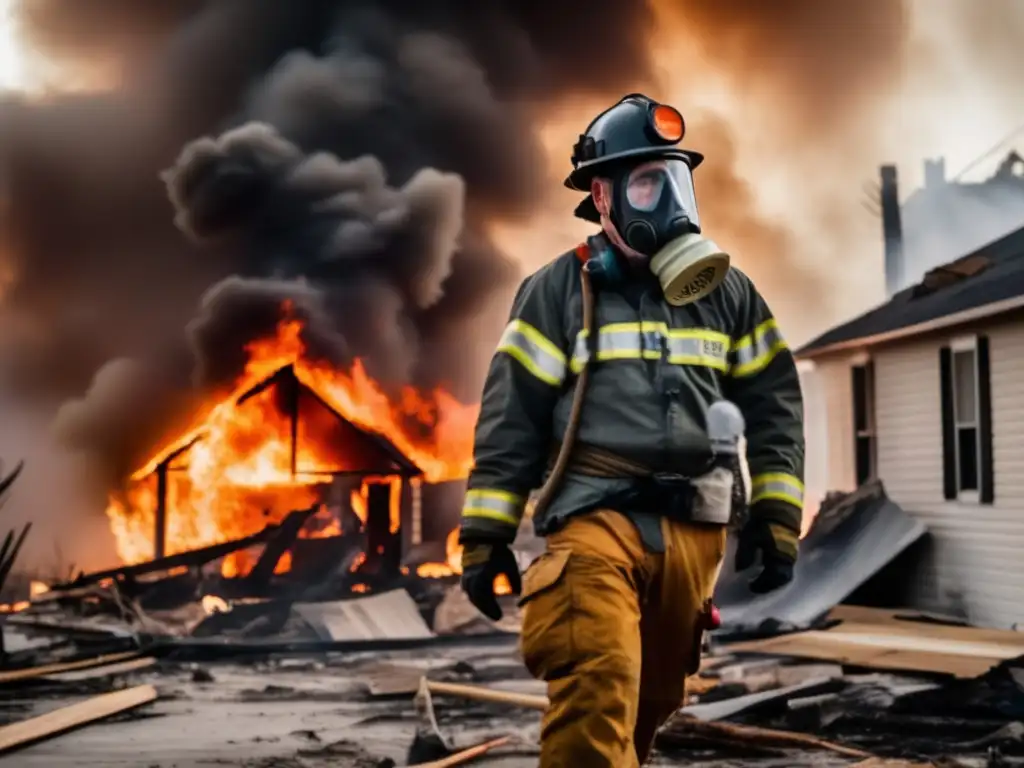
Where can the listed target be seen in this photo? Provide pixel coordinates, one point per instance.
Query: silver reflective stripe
(699, 348)
(752, 353)
(652, 341)
(501, 506)
(616, 343)
(777, 485)
(534, 352)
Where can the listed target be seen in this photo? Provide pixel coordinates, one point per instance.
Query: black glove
(777, 544)
(482, 563)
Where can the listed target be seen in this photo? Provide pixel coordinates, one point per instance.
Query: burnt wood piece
(281, 542)
(191, 559)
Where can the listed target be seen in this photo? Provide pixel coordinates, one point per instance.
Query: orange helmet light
(668, 123)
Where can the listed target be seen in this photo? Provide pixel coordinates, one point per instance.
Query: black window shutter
(987, 491)
(948, 426)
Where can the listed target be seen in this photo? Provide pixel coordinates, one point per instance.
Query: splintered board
(898, 645)
(21, 734)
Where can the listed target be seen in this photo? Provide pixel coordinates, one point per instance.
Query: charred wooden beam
(292, 391)
(160, 518)
(191, 559)
(281, 542)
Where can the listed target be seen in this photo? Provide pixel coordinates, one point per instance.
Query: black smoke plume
(345, 157)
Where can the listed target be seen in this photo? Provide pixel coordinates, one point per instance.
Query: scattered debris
(684, 731)
(852, 538)
(720, 710)
(331, 662)
(391, 615)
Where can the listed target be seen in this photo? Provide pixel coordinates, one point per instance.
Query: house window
(967, 420)
(864, 421)
(965, 415)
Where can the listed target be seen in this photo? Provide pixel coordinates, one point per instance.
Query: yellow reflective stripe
(491, 504)
(650, 340)
(755, 351)
(777, 485)
(535, 352)
(786, 540)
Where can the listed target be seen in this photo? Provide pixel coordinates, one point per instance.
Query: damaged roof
(360, 450)
(987, 282)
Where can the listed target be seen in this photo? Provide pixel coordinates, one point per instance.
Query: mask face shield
(663, 188)
(658, 217)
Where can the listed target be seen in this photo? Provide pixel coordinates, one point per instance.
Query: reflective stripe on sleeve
(535, 352)
(753, 352)
(491, 504)
(777, 485)
(653, 341)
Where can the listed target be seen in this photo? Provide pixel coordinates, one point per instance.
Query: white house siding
(976, 564)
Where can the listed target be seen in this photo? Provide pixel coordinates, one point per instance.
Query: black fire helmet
(636, 128)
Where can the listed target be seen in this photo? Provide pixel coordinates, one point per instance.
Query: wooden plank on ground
(21, 734)
(875, 653)
(107, 670)
(466, 755)
(867, 621)
(871, 637)
(15, 675)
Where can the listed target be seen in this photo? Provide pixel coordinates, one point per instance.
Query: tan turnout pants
(612, 629)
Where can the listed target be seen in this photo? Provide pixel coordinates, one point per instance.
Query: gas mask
(654, 209)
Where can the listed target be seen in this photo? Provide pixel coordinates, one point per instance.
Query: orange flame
(453, 566)
(38, 588)
(235, 474)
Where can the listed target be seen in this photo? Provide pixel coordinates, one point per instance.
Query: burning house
(293, 434)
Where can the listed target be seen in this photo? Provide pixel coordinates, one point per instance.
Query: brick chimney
(892, 230)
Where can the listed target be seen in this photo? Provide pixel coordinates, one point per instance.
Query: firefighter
(613, 612)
